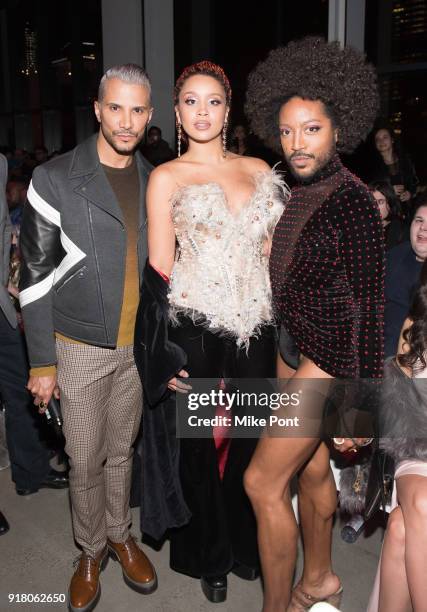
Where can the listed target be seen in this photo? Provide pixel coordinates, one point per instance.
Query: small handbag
(366, 487)
(380, 483)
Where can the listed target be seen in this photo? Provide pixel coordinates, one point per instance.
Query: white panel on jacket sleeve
(31, 294)
(73, 255)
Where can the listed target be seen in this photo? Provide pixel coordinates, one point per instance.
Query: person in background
(40, 155)
(239, 140)
(16, 195)
(5, 304)
(396, 229)
(157, 150)
(29, 456)
(392, 163)
(16, 161)
(401, 583)
(403, 266)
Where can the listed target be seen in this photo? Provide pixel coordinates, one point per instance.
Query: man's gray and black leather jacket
(73, 243)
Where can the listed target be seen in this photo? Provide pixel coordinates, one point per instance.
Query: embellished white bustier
(220, 275)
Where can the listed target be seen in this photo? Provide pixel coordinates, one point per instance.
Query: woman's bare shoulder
(167, 177)
(164, 171)
(162, 185)
(253, 164)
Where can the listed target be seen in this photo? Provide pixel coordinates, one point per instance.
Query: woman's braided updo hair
(205, 68)
(313, 69)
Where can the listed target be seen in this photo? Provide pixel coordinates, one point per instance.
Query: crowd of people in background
(26, 443)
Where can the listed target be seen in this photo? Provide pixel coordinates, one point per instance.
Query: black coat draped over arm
(158, 360)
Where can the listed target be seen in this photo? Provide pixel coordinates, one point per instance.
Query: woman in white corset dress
(211, 215)
(401, 581)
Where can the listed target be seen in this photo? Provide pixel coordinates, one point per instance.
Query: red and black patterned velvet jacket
(327, 273)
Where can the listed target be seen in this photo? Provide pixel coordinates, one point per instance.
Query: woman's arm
(161, 236)
(161, 232)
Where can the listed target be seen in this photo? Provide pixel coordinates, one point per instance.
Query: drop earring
(178, 127)
(224, 138)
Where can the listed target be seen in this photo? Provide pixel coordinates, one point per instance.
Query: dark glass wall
(396, 41)
(51, 65)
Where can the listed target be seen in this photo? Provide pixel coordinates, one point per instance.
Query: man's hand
(13, 290)
(42, 388)
(177, 385)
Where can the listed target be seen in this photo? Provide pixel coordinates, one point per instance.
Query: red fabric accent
(162, 274)
(221, 439)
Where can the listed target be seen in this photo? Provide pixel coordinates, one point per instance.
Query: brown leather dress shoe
(85, 589)
(138, 572)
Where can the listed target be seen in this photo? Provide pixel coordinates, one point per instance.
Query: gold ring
(42, 404)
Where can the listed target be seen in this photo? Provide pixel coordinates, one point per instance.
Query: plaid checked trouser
(101, 401)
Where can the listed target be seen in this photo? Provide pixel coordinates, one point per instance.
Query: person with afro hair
(313, 99)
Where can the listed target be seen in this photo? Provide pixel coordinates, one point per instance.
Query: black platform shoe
(4, 525)
(214, 588)
(245, 572)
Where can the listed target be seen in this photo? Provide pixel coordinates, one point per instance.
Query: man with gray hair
(83, 241)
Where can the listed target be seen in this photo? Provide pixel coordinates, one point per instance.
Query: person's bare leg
(317, 502)
(412, 496)
(394, 593)
(267, 479)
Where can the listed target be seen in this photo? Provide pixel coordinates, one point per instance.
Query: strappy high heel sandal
(303, 601)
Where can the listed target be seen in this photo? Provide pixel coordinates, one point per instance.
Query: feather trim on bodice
(220, 276)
